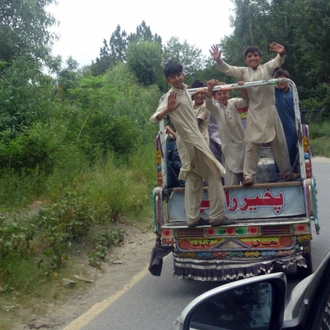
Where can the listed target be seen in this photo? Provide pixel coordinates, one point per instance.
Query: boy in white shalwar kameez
(202, 164)
(263, 123)
(230, 129)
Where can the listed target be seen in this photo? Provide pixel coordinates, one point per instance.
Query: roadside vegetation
(76, 148)
(320, 138)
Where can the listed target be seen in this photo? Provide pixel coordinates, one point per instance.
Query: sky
(84, 24)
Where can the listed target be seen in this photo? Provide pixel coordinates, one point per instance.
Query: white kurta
(185, 123)
(202, 113)
(201, 162)
(231, 131)
(260, 126)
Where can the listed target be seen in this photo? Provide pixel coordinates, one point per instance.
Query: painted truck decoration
(274, 219)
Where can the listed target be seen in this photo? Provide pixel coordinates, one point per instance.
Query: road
(155, 302)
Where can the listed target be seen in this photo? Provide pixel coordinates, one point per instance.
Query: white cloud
(84, 24)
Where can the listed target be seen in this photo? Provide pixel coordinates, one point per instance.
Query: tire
(303, 272)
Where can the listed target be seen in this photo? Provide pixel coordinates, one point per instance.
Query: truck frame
(273, 219)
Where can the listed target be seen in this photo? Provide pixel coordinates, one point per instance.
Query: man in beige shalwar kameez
(202, 164)
(202, 116)
(263, 124)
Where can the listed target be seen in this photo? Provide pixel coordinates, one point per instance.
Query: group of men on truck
(241, 148)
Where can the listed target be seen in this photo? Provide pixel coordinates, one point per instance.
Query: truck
(274, 218)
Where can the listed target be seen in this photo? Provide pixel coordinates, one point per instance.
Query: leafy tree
(26, 96)
(189, 56)
(68, 77)
(114, 51)
(92, 93)
(24, 29)
(302, 26)
(133, 100)
(251, 24)
(144, 60)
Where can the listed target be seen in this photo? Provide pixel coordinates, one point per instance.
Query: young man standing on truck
(202, 164)
(230, 129)
(263, 123)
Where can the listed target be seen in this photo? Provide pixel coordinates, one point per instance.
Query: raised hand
(211, 83)
(277, 48)
(171, 102)
(216, 53)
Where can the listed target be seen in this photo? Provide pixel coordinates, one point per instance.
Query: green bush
(102, 242)
(317, 130)
(321, 147)
(320, 138)
(15, 239)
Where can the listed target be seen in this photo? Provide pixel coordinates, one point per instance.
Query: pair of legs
(231, 178)
(194, 191)
(252, 155)
(279, 150)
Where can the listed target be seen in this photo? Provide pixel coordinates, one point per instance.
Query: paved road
(155, 302)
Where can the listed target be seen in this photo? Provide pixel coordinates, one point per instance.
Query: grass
(45, 221)
(320, 138)
(29, 292)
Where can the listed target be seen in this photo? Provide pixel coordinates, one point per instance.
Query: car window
(245, 308)
(323, 322)
(325, 318)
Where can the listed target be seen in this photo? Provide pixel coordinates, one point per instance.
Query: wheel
(303, 272)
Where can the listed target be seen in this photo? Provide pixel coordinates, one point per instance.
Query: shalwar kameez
(263, 123)
(203, 114)
(232, 136)
(202, 163)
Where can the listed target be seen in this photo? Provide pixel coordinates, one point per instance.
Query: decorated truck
(274, 219)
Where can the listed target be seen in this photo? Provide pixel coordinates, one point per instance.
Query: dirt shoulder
(123, 263)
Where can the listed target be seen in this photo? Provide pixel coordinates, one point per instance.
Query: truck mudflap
(158, 253)
(231, 269)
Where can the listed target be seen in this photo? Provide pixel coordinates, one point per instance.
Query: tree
(26, 96)
(68, 77)
(112, 53)
(103, 62)
(189, 56)
(143, 32)
(115, 51)
(24, 29)
(144, 58)
(302, 26)
(92, 93)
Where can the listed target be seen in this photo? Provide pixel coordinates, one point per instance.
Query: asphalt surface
(155, 302)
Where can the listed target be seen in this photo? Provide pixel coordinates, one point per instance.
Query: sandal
(248, 181)
(292, 176)
(200, 222)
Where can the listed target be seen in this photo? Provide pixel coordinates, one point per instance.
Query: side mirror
(254, 303)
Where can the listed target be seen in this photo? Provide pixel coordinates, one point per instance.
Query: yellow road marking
(95, 310)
